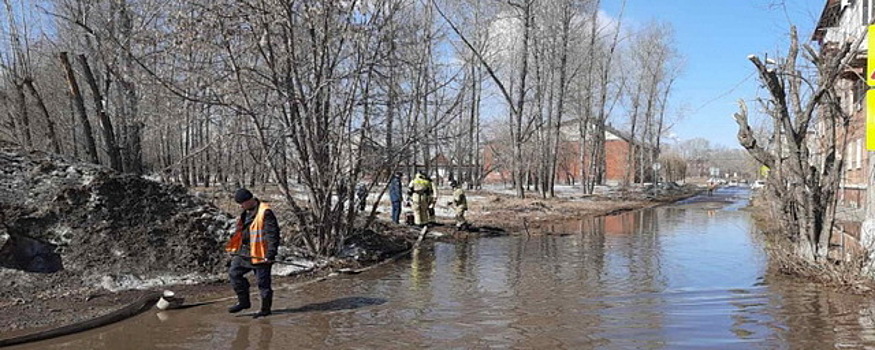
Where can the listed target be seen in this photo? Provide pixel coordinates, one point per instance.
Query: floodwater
(689, 275)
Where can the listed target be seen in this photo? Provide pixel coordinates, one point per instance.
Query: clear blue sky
(715, 37)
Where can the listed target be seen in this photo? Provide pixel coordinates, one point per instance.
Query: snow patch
(115, 283)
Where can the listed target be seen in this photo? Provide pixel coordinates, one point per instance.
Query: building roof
(440, 159)
(610, 131)
(829, 17)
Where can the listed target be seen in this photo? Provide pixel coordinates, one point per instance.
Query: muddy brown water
(689, 275)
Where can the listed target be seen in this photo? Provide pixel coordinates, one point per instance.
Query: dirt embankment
(74, 231)
(76, 238)
(521, 215)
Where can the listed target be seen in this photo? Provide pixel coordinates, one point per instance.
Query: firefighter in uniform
(420, 190)
(460, 204)
(253, 248)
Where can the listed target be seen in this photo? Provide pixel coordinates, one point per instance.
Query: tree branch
(748, 140)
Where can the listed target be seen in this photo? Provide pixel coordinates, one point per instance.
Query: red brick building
(617, 166)
(497, 164)
(839, 22)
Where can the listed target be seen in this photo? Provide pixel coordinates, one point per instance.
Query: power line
(724, 94)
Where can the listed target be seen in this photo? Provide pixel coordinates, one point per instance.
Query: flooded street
(689, 275)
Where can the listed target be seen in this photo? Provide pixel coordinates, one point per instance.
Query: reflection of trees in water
(747, 318)
(563, 279)
(464, 263)
(461, 249)
(808, 316)
(640, 261)
(620, 255)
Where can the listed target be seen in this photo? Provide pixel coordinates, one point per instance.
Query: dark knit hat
(242, 195)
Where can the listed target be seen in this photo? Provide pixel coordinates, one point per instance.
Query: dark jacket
(271, 231)
(395, 189)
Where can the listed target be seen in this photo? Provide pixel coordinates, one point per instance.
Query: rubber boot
(265, 307)
(242, 303)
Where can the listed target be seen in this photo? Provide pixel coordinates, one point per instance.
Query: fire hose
(142, 304)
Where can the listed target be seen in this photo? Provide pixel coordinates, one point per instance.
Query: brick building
(617, 147)
(844, 21)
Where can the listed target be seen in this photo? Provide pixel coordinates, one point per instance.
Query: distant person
(395, 196)
(711, 187)
(432, 200)
(253, 247)
(460, 204)
(361, 194)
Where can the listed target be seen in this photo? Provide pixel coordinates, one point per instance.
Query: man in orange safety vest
(253, 248)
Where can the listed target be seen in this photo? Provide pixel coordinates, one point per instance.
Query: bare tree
(595, 100)
(519, 128)
(312, 84)
(802, 190)
(16, 72)
(106, 124)
(655, 57)
(81, 113)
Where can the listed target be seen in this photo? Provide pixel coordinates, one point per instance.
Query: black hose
(142, 304)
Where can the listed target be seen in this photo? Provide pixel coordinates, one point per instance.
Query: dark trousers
(396, 211)
(237, 271)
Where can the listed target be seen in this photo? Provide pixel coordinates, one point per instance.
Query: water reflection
(674, 277)
(421, 268)
(262, 338)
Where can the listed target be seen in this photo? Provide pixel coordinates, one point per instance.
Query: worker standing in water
(253, 246)
(460, 204)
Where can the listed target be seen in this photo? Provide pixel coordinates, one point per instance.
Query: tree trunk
(50, 125)
(79, 103)
(112, 149)
(517, 125)
(23, 116)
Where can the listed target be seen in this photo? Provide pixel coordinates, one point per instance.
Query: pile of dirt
(369, 246)
(68, 226)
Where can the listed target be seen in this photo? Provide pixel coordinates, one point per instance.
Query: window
(859, 153)
(846, 3)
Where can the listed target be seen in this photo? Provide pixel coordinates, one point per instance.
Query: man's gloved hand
(449, 203)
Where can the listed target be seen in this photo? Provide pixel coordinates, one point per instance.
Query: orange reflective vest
(257, 243)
